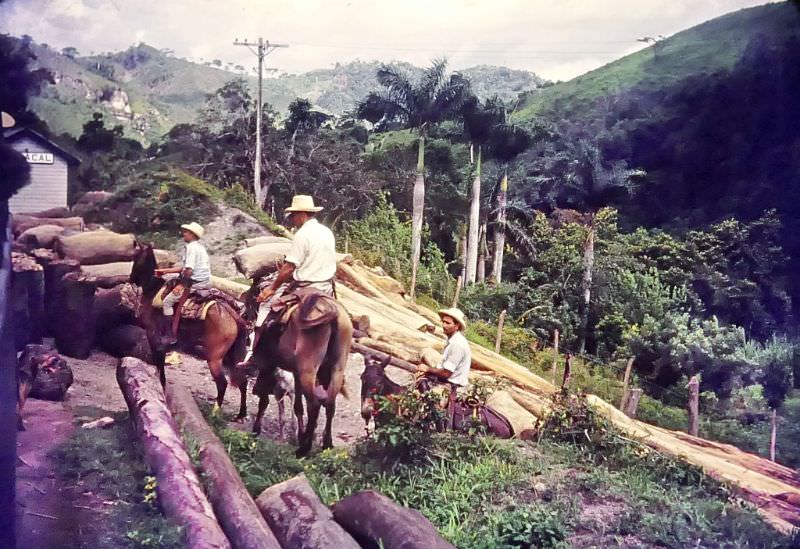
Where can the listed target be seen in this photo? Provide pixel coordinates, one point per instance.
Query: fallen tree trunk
(22, 223)
(54, 290)
(380, 355)
(258, 240)
(43, 236)
(127, 340)
(27, 300)
(299, 519)
(58, 212)
(391, 349)
(74, 324)
(180, 494)
(376, 521)
(235, 509)
(95, 247)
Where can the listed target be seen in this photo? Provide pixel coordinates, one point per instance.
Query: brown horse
(221, 335)
(317, 357)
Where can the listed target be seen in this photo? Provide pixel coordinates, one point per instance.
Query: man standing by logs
(195, 273)
(311, 262)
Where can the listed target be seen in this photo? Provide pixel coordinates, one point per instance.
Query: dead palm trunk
(474, 224)
(586, 284)
(417, 207)
(500, 230)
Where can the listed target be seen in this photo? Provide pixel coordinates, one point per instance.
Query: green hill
(149, 90)
(715, 45)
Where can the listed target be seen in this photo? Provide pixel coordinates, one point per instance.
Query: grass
(108, 464)
(483, 492)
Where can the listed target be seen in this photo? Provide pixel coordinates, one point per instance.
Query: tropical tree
(416, 106)
(479, 121)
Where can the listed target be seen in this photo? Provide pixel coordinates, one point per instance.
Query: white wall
(48, 186)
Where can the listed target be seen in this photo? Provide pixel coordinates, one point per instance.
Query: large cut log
(110, 311)
(180, 494)
(59, 212)
(399, 351)
(115, 269)
(235, 509)
(233, 289)
(261, 259)
(522, 421)
(255, 241)
(74, 325)
(376, 521)
(22, 223)
(299, 519)
(165, 258)
(27, 300)
(54, 289)
(127, 340)
(94, 247)
(43, 236)
(368, 352)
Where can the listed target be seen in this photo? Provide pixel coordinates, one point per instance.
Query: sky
(557, 39)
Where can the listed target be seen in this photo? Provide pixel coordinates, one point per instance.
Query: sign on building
(38, 157)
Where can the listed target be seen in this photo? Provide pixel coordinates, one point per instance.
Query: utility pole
(263, 48)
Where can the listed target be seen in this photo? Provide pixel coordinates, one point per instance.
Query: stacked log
(95, 247)
(54, 290)
(127, 340)
(74, 322)
(58, 212)
(27, 300)
(180, 493)
(22, 223)
(376, 521)
(235, 509)
(43, 236)
(250, 242)
(299, 519)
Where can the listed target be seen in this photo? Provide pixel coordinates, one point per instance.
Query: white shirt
(196, 258)
(457, 358)
(313, 254)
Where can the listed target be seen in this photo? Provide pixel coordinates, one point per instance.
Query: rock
(51, 374)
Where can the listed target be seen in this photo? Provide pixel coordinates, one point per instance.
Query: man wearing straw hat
(457, 356)
(311, 262)
(195, 273)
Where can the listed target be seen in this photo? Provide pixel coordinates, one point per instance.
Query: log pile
(95, 247)
(27, 300)
(180, 493)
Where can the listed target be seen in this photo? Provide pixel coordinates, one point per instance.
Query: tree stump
(74, 326)
(110, 311)
(180, 494)
(299, 519)
(54, 289)
(236, 510)
(27, 300)
(376, 521)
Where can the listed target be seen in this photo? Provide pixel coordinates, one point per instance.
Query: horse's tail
(236, 351)
(337, 348)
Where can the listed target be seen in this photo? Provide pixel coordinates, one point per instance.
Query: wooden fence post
(773, 434)
(499, 338)
(458, 291)
(633, 402)
(567, 372)
(694, 404)
(625, 382)
(555, 354)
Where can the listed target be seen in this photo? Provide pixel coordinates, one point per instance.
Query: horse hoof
(239, 419)
(302, 452)
(256, 431)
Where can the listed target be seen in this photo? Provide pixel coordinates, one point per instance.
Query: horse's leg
(218, 375)
(159, 357)
(239, 379)
(327, 437)
(263, 402)
(281, 410)
(311, 426)
(298, 408)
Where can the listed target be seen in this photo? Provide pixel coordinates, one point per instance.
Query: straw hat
(194, 228)
(456, 315)
(7, 120)
(302, 203)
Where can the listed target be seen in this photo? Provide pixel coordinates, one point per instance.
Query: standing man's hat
(302, 203)
(194, 228)
(456, 315)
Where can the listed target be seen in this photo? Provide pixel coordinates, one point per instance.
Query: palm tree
(415, 106)
(479, 123)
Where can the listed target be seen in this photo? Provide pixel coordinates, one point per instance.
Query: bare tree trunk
(417, 207)
(474, 224)
(500, 231)
(463, 245)
(498, 340)
(483, 252)
(586, 285)
(694, 405)
(773, 434)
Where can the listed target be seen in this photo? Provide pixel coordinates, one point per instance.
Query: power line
(263, 48)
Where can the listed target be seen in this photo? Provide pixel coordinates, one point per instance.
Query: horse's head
(144, 264)
(374, 383)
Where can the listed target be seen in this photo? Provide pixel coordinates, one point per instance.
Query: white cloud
(557, 39)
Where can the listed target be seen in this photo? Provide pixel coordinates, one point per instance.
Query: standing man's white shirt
(457, 358)
(313, 253)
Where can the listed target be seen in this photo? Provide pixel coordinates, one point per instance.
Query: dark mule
(317, 357)
(221, 335)
(375, 383)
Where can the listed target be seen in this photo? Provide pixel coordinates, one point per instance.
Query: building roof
(18, 133)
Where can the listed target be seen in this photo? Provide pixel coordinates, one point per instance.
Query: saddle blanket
(198, 303)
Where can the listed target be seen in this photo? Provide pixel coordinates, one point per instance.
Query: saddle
(199, 301)
(313, 306)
